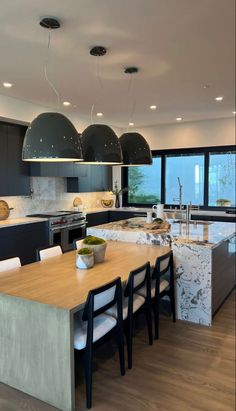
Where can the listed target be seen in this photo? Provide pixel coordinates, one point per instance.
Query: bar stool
(93, 323)
(10, 263)
(132, 302)
(162, 284)
(48, 252)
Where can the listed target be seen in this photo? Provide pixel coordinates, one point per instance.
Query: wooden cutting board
(4, 210)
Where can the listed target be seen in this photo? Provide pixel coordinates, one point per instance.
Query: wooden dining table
(37, 306)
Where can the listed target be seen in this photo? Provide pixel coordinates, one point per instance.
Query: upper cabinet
(14, 173)
(90, 178)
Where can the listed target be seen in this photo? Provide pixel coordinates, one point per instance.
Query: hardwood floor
(190, 368)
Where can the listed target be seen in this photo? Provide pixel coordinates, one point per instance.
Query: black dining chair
(10, 263)
(48, 252)
(162, 285)
(93, 323)
(132, 302)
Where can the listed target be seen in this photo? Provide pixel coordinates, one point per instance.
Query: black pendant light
(135, 149)
(51, 136)
(100, 145)
(99, 142)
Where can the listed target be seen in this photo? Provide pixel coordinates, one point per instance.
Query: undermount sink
(194, 222)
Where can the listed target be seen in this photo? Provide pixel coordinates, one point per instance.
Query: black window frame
(206, 151)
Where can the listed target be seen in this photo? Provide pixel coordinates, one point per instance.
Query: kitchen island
(204, 257)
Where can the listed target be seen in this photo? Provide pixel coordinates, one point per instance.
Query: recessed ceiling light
(131, 124)
(66, 103)
(219, 98)
(7, 85)
(179, 118)
(153, 107)
(99, 114)
(206, 86)
(234, 112)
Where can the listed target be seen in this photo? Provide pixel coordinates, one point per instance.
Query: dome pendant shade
(100, 145)
(135, 149)
(51, 137)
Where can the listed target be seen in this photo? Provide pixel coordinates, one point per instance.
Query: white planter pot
(84, 261)
(99, 251)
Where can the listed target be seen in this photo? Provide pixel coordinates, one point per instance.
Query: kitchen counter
(210, 213)
(204, 256)
(10, 222)
(197, 232)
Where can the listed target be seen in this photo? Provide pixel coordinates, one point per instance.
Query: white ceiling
(178, 45)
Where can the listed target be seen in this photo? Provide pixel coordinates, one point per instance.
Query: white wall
(205, 133)
(15, 110)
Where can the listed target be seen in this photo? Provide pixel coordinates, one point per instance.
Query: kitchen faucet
(180, 198)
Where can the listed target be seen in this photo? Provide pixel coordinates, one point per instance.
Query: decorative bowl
(107, 203)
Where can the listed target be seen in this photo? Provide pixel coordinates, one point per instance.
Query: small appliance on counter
(64, 227)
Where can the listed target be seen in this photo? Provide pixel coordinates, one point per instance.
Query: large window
(145, 183)
(222, 179)
(206, 174)
(190, 170)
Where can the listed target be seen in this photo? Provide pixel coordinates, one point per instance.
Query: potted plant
(85, 258)
(223, 202)
(117, 192)
(97, 245)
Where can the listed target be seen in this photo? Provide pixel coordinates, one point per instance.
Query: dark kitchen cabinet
(23, 240)
(90, 178)
(224, 218)
(97, 218)
(109, 216)
(14, 173)
(3, 161)
(52, 169)
(123, 215)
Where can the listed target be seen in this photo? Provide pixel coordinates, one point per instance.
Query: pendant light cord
(131, 111)
(46, 75)
(100, 83)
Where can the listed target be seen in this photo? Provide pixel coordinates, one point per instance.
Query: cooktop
(49, 214)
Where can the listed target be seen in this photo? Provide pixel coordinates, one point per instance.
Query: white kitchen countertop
(10, 222)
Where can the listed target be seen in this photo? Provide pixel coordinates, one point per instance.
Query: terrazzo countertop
(10, 222)
(197, 232)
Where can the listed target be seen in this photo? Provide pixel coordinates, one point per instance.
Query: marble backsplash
(49, 194)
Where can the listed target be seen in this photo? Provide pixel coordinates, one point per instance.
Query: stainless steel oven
(64, 227)
(65, 235)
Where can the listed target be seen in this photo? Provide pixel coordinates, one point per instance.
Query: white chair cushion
(102, 324)
(163, 285)
(138, 301)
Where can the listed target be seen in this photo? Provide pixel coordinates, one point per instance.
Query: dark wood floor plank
(190, 368)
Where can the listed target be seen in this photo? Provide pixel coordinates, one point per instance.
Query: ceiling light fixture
(179, 118)
(219, 98)
(66, 103)
(99, 142)
(153, 107)
(51, 136)
(234, 112)
(7, 85)
(135, 149)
